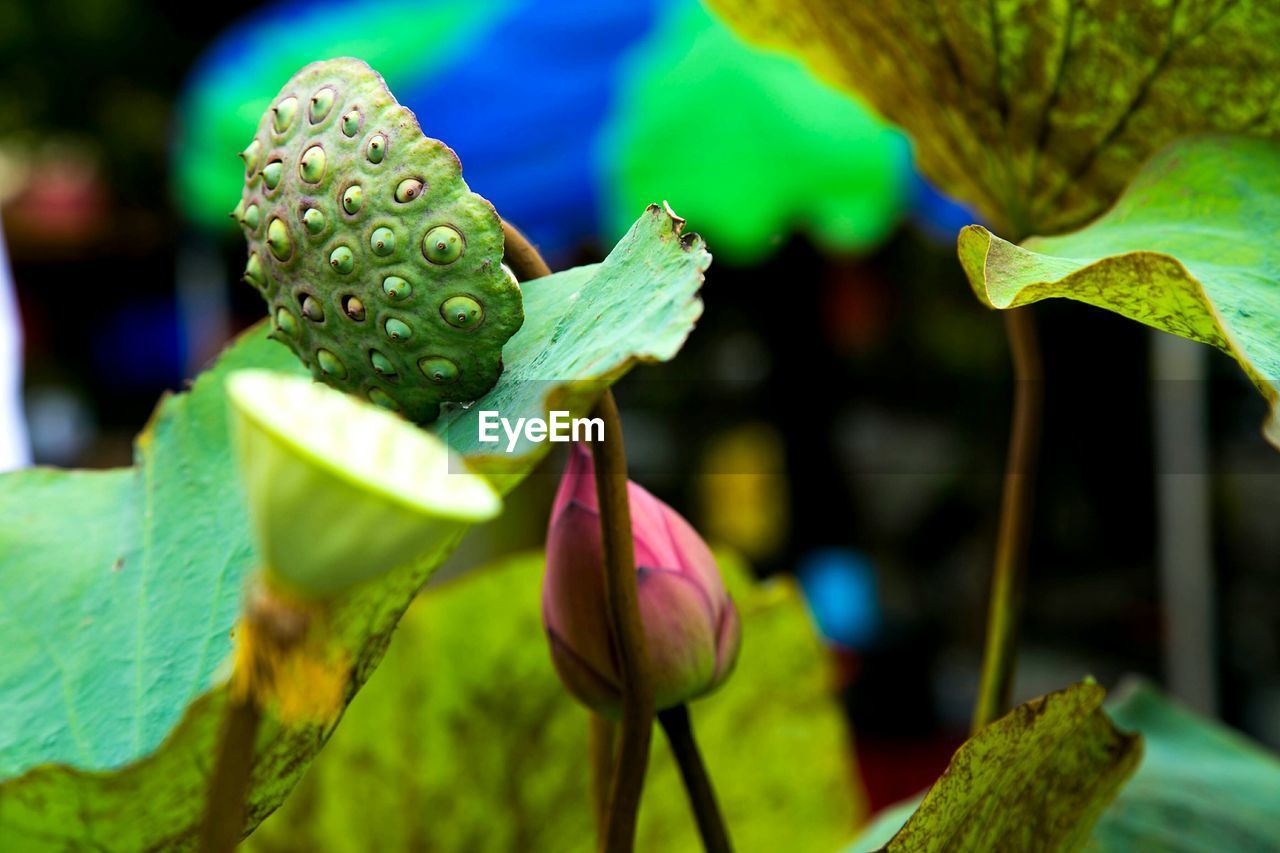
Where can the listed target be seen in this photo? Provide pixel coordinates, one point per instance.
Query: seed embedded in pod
(285, 112)
(381, 363)
(351, 123)
(396, 287)
(312, 309)
(398, 330)
(342, 260)
(321, 103)
(311, 167)
(377, 148)
(382, 241)
(285, 322)
(313, 220)
(381, 398)
(238, 213)
(252, 217)
(250, 157)
(438, 369)
(253, 271)
(442, 245)
(354, 308)
(271, 174)
(278, 240)
(352, 199)
(462, 312)
(331, 364)
(408, 190)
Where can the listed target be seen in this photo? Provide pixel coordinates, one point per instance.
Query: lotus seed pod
(238, 212)
(271, 174)
(330, 364)
(311, 167)
(321, 104)
(250, 156)
(285, 112)
(285, 322)
(443, 245)
(339, 491)
(395, 287)
(253, 271)
(252, 217)
(382, 241)
(350, 177)
(408, 190)
(313, 220)
(381, 398)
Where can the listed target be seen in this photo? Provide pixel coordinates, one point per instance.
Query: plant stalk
(1007, 580)
(521, 256)
(602, 735)
(226, 809)
(702, 797)
(622, 597)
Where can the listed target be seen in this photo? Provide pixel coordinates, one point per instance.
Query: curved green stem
(702, 797)
(1005, 610)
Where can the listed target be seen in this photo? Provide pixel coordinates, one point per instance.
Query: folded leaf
(1190, 248)
(118, 589)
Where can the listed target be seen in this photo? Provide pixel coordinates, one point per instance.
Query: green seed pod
(462, 312)
(408, 189)
(286, 322)
(252, 217)
(398, 330)
(237, 213)
(278, 240)
(353, 199)
(382, 241)
(321, 103)
(443, 245)
(313, 220)
(311, 166)
(354, 308)
(381, 398)
(312, 309)
(381, 363)
(253, 271)
(271, 174)
(351, 241)
(250, 157)
(342, 260)
(438, 369)
(330, 364)
(285, 112)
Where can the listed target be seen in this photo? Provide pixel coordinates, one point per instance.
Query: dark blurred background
(841, 412)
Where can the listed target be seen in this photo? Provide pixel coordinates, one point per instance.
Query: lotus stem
(1007, 580)
(697, 784)
(521, 256)
(226, 808)
(603, 734)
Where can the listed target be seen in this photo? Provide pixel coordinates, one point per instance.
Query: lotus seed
(313, 220)
(377, 148)
(442, 245)
(381, 363)
(250, 157)
(342, 260)
(311, 168)
(285, 322)
(383, 241)
(278, 240)
(285, 112)
(312, 309)
(408, 190)
(438, 369)
(398, 330)
(238, 213)
(354, 308)
(395, 287)
(330, 364)
(351, 123)
(462, 312)
(381, 398)
(271, 174)
(252, 217)
(321, 103)
(253, 271)
(352, 199)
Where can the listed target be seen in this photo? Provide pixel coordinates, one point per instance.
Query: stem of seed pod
(226, 808)
(1008, 577)
(702, 797)
(521, 256)
(602, 734)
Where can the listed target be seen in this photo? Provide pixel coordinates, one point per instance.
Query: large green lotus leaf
(465, 739)
(1037, 112)
(1190, 248)
(118, 588)
(1036, 779)
(1201, 788)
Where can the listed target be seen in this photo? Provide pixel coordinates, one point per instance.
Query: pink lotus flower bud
(691, 626)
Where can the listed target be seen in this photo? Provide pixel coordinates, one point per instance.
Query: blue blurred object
(840, 588)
